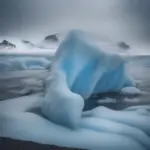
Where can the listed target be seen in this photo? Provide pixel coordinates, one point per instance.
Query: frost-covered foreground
(101, 128)
(57, 118)
(78, 70)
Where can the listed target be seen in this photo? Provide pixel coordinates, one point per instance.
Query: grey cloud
(120, 19)
(138, 12)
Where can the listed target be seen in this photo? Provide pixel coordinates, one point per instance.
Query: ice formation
(17, 63)
(78, 70)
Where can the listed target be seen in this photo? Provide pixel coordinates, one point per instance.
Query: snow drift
(100, 128)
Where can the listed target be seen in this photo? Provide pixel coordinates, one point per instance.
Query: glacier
(78, 70)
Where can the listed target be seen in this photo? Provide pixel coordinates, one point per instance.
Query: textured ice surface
(21, 118)
(146, 107)
(78, 70)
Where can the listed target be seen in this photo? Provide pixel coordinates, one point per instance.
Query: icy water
(24, 82)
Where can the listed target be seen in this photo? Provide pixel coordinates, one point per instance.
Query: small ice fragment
(130, 91)
(132, 100)
(22, 92)
(107, 100)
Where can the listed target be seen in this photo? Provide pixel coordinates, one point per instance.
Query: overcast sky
(116, 19)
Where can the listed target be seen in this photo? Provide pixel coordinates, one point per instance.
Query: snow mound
(7, 45)
(87, 68)
(100, 128)
(129, 118)
(70, 104)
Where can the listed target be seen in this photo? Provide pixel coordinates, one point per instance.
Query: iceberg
(133, 119)
(78, 70)
(87, 68)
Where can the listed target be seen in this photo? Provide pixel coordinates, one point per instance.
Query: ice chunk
(130, 91)
(80, 69)
(143, 112)
(107, 100)
(61, 105)
(87, 68)
(132, 100)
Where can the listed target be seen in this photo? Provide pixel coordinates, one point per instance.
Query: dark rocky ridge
(51, 38)
(123, 45)
(7, 44)
(28, 43)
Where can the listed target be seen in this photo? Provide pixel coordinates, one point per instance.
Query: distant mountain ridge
(7, 45)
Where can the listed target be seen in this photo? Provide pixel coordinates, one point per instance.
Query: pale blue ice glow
(78, 70)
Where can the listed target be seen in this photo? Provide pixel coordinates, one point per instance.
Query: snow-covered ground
(100, 129)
